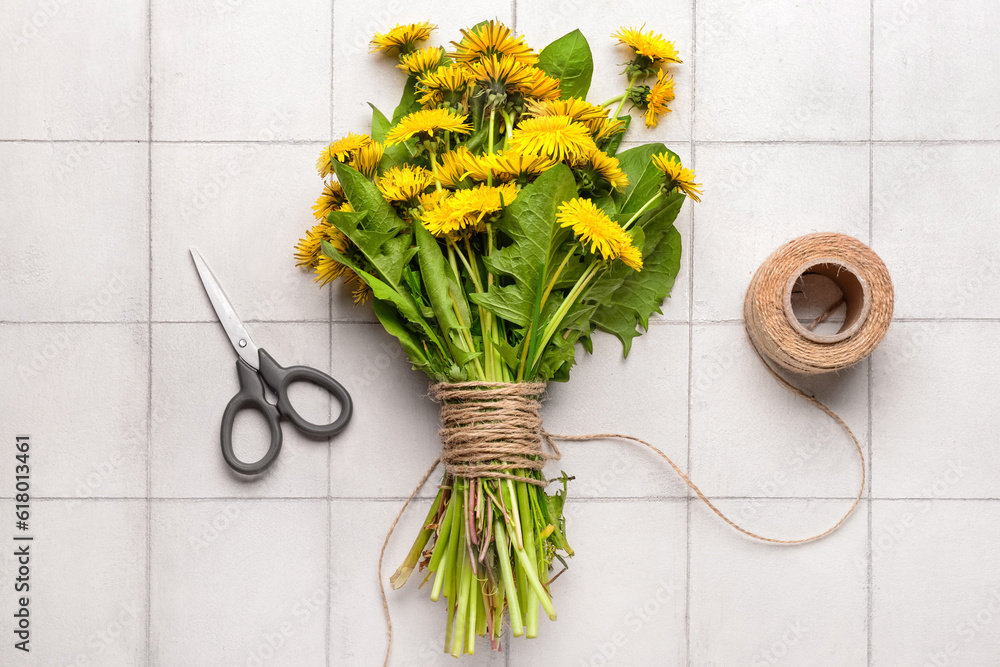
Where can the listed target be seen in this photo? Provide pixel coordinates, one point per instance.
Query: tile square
(239, 582)
(74, 71)
(636, 580)
(239, 71)
(756, 603)
(752, 437)
(910, 101)
(936, 592)
(80, 392)
(643, 396)
(939, 242)
(194, 377)
(393, 435)
(244, 207)
(783, 70)
(544, 22)
(360, 78)
(357, 621)
(757, 197)
(97, 197)
(933, 407)
(87, 583)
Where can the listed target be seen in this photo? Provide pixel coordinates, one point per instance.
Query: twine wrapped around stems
(489, 429)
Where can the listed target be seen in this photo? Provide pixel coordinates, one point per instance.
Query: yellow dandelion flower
(430, 200)
(660, 94)
(405, 183)
(307, 250)
(454, 166)
(341, 150)
(331, 199)
(445, 79)
(368, 157)
(440, 218)
(500, 73)
(558, 137)
(492, 39)
(346, 207)
(479, 168)
(421, 60)
(464, 211)
(605, 128)
(629, 254)
(678, 177)
(426, 123)
(362, 291)
(509, 165)
(648, 44)
(402, 38)
(594, 228)
(328, 269)
(540, 86)
(574, 107)
(608, 168)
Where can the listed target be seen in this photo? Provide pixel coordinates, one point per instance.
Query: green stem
(536, 585)
(503, 555)
(631, 82)
(612, 100)
(509, 121)
(642, 210)
(559, 270)
(413, 557)
(531, 608)
(563, 309)
(434, 170)
(462, 597)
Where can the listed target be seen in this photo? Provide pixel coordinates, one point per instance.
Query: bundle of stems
(493, 541)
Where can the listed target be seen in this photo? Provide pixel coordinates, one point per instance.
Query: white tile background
(130, 130)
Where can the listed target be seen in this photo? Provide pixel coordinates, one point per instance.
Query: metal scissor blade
(237, 333)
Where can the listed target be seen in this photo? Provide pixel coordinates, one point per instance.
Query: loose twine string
(491, 429)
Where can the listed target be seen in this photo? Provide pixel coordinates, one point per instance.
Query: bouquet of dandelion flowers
(493, 225)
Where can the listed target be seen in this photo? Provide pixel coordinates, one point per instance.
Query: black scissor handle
(250, 397)
(278, 378)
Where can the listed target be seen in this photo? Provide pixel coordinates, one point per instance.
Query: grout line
(328, 632)
(399, 499)
(690, 326)
(149, 333)
(869, 595)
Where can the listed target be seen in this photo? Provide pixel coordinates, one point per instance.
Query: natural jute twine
(490, 429)
(859, 273)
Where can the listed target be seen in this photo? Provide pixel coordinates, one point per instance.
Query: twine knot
(490, 429)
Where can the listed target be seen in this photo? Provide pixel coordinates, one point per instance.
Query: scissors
(255, 368)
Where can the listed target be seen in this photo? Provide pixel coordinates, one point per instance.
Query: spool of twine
(492, 429)
(863, 281)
